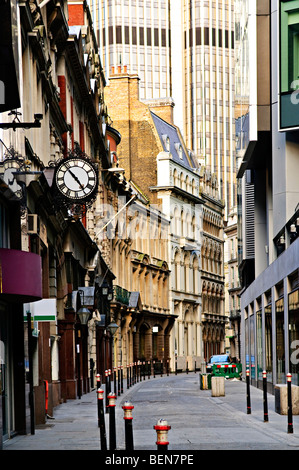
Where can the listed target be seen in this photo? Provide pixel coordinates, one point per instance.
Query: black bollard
(149, 369)
(109, 380)
(154, 371)
(187, 370)
(106, 389)
(290, 410)
(98, 379)
(248, 392)
(114, 379)
(128, 377)
(266, 417)
(167, 367)
(118, 381)
(121, 379)
(161, 368)
(195, 367)
(162, 429)
(101, 419)
(112, 432)
(128, 407)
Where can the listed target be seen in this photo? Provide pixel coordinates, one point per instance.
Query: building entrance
(5, 376)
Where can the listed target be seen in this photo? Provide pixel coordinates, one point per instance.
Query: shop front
(20, 283)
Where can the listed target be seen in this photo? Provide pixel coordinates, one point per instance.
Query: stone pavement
(198, 421)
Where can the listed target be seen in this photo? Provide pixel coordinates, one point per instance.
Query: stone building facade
(61, 88)
(187, 194)
(214, 319)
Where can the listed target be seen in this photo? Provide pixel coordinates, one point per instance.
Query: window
(259, 340)
(280, 349)
(268, 341)
(4, 228)
(294, 334)
(289, 63)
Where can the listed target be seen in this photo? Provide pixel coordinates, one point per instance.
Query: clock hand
(76, 179)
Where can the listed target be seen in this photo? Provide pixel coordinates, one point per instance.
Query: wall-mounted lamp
(112, 327)
(83, 312)
(106, 291)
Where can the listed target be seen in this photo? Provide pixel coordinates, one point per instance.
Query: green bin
(205, 381)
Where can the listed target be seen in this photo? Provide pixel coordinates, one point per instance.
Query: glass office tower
(182, 49)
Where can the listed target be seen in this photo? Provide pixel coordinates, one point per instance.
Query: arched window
(195, 267)
(182, 234)
(177, 271)
(175, 178)
(186, 274)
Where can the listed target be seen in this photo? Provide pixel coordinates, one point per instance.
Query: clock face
(76, 179)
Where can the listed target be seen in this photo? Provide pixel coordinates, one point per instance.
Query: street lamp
(106, 291)
(112, 327)
(83, 314)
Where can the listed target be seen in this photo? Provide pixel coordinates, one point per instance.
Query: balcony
(121, 295)
(20, 276)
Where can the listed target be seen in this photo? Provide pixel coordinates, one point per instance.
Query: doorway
(6, 381)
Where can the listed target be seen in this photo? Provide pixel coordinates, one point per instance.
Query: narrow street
(198, 421)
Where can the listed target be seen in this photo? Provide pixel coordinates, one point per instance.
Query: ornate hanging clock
(76, 181)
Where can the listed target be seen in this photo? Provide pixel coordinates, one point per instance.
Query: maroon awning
(20, 276)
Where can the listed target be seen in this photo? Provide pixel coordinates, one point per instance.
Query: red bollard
(114, 379)
(290, 410)
(248, 392)
(266, 417)
(118, 381)
(98, 379)
(106, 388)
(101, 419)
(128, 407)
(162, 429)
(109, 381)
(112, 431)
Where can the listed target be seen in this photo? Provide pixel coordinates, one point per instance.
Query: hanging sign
(42, 310)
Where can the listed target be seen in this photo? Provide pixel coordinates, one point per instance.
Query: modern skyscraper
(182, 49)
(136, 33)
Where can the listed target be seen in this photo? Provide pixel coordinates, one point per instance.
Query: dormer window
(179, 150)
(166, 141)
